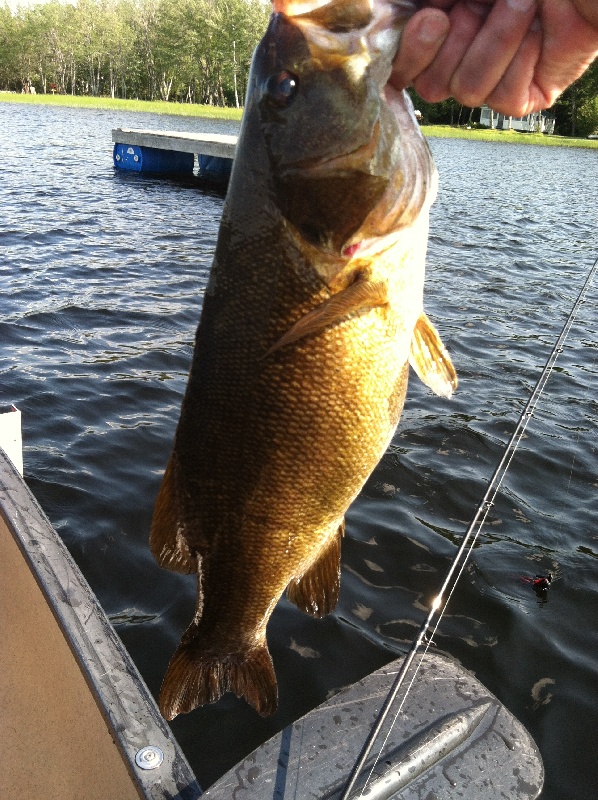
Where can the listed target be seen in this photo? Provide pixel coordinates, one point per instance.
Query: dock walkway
(174, 152)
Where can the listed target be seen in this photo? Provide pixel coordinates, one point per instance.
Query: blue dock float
(171, 152)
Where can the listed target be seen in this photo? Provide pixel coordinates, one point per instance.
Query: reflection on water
(101, 285)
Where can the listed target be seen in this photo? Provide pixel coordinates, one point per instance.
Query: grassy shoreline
(107, 103)
(508, 136)
(214, 112)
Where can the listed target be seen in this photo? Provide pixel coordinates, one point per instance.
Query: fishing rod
(473, 531)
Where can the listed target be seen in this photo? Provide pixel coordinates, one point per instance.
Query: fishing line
(460, 559)
(578, 437)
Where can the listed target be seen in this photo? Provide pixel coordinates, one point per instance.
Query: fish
(312, 314)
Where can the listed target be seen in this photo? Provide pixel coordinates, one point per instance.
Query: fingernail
(433, 28)
(521, 5)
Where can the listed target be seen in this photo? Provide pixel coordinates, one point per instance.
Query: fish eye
(281, 88)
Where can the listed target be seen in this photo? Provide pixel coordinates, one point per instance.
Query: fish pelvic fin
(316, 591)
(195, 678)
(430, 359)
(360, 296)
(167, 537)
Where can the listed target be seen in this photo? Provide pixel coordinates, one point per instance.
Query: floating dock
(173, 152)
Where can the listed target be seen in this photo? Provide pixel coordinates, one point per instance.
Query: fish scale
(308, 325)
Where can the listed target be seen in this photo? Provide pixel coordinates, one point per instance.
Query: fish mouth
(313, 8)
(358, 170)
(318, 198)
(323, 208)
(294, 8)
(358, 160)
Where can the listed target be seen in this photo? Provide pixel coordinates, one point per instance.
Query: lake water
(101, 282)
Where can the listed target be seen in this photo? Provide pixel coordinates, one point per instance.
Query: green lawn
(155, 107)
(189, 110)
(512, 137)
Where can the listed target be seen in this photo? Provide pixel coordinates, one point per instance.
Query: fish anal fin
(430, 359)
(316, 591)
(196, 677)
(168, 542)
(362, 295)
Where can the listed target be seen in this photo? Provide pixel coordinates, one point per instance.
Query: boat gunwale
(125, 702)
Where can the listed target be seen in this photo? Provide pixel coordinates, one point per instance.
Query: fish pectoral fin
(362, 295)
(196, 676)
(430, 359)
(167, 538)
(316, 591)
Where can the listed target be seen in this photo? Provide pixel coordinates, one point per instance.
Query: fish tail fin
(316, 591)
(195, 678)
(168, 542)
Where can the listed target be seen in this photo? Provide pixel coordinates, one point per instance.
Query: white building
(538, 122)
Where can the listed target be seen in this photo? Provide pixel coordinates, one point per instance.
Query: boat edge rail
(124, 700)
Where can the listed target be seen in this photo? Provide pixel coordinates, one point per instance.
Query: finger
(466, 19)
(493, 50)
(421, 40)
(588, 9)
(570, 45)
(516, 94)
(448, 4)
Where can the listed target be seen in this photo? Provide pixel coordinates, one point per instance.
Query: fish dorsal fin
(334, 15)
(430, 359)
(316, 591)
(167, 538)
(362, 295)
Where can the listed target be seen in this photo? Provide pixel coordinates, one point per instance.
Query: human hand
(515, 55)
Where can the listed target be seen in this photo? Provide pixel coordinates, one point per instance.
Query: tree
(447, 112)
(50, 36)
(8, 47)
(120, 53)
(576, 109)
(148, 43)
(219, 39)
(193, 50)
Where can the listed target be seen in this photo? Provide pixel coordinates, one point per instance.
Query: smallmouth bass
(312, 314)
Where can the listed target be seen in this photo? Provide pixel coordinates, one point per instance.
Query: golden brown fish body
(311, 315)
